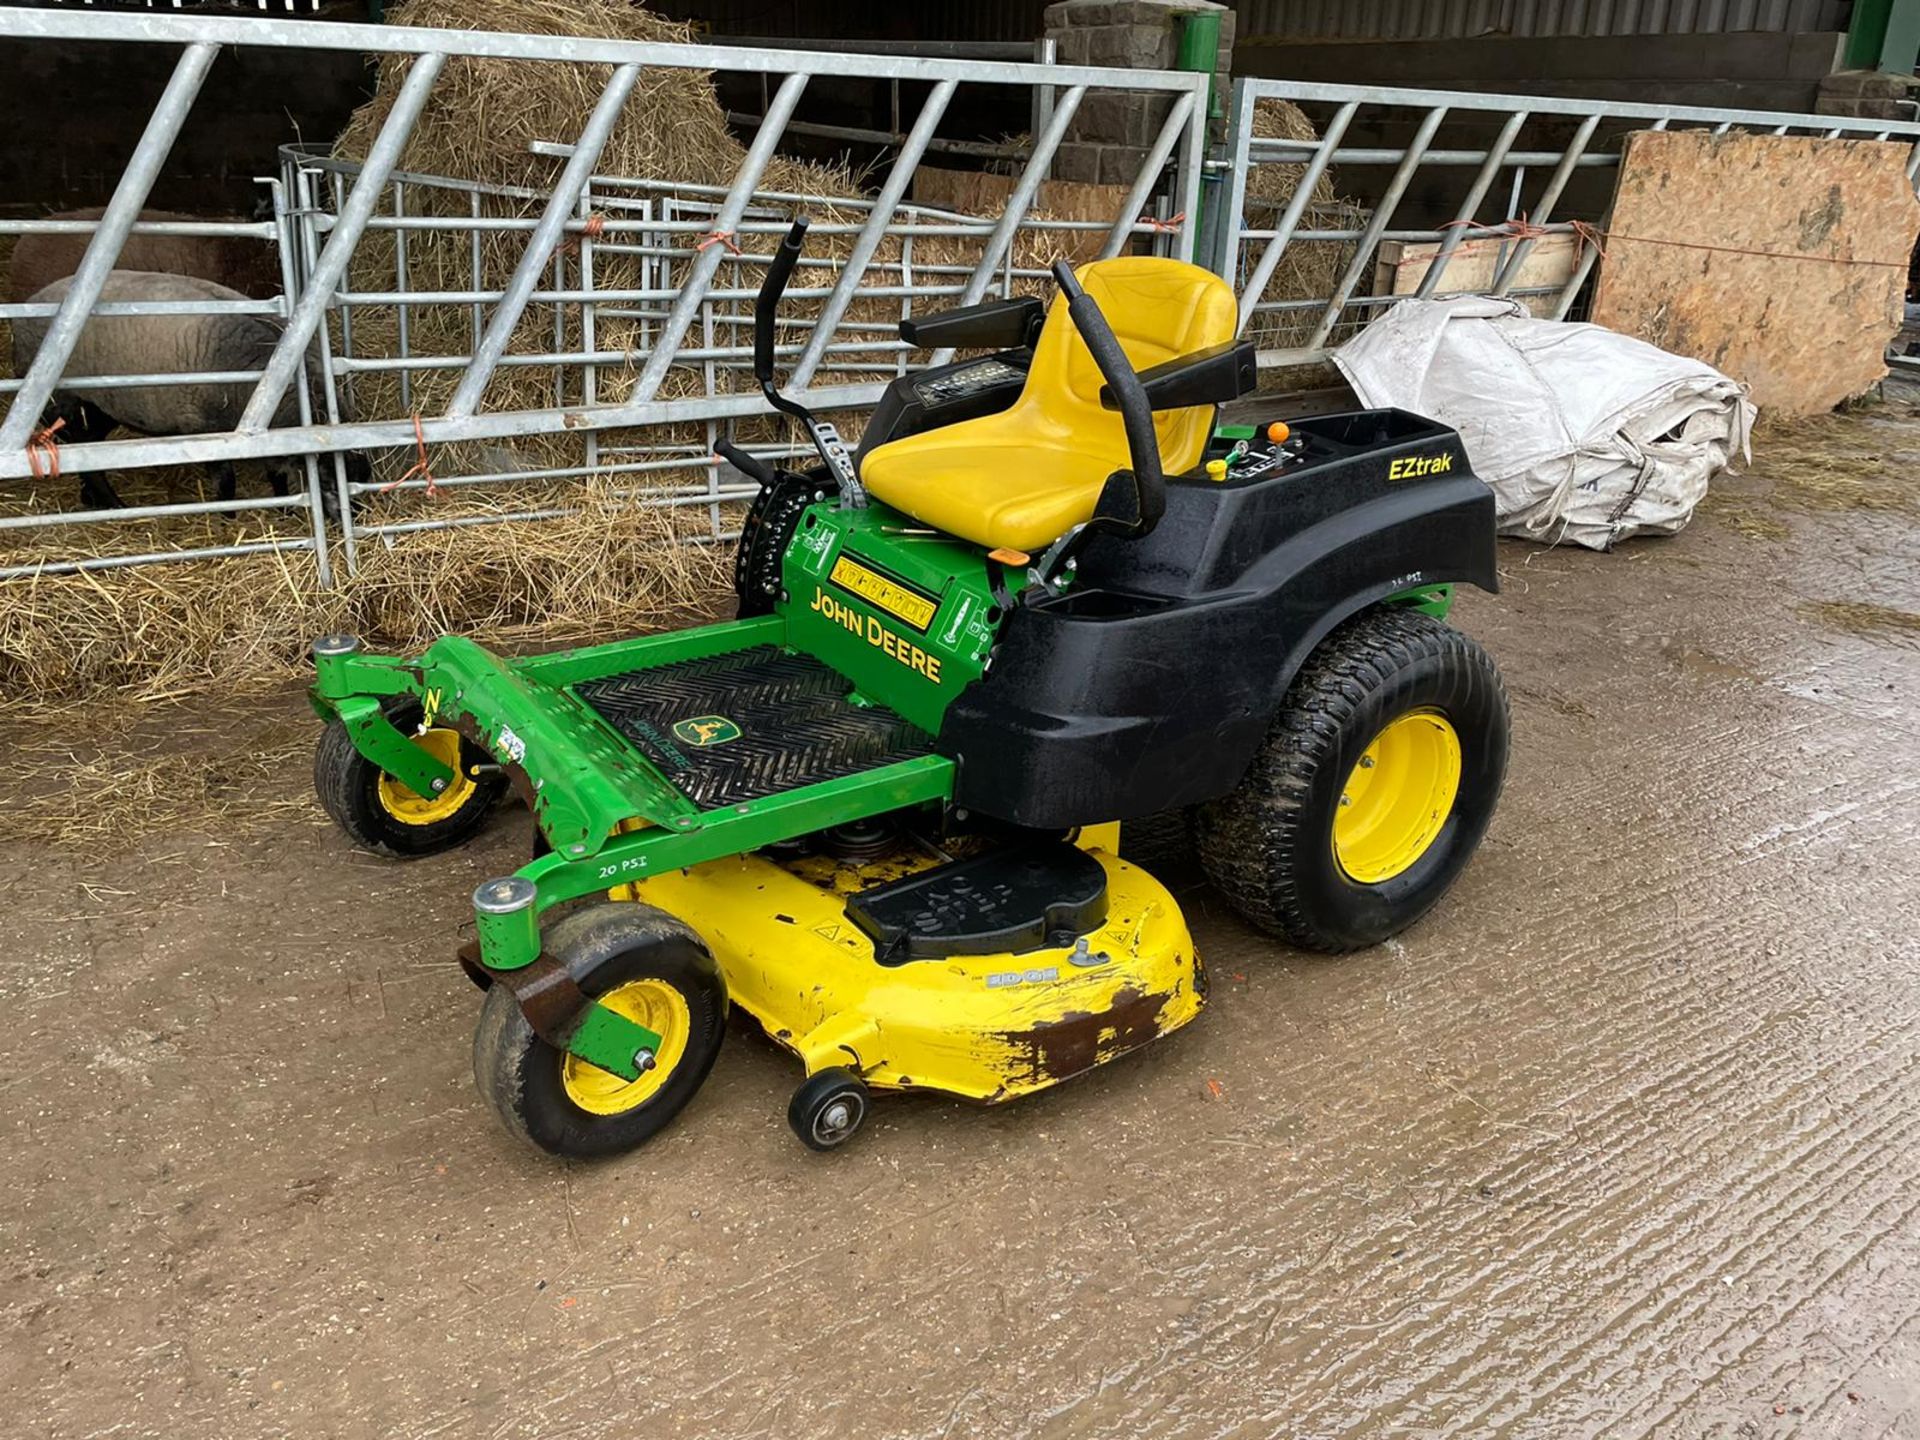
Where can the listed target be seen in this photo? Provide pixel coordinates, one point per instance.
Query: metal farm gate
(600, 326)
(680, 365)
(1467, 176)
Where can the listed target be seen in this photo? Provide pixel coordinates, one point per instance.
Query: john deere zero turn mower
(880, 811)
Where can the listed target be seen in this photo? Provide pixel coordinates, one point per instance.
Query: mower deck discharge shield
(987, 1026)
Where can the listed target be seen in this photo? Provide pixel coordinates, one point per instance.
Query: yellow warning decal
(884, 593)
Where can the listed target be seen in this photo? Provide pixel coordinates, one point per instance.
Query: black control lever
(766, 305)
(752, 466)
(1136, 410)
(826, 439)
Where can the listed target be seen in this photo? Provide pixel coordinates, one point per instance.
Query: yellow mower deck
(984, 1027)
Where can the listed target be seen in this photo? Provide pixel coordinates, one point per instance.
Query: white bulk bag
(1584, 435)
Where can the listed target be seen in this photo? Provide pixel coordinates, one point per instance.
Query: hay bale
(476, 127)
(1274, 184)
(483, 113)
(1309, 269)
(237, 625)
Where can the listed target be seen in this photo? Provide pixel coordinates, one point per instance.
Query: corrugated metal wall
(1316, 19)
(871, 19)
(1457, 19)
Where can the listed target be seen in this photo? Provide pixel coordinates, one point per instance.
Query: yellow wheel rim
(662, 1009)
(411, 809)
(1397, 799)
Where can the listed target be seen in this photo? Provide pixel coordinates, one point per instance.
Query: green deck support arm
(350, 689)
(522, 720)
(513, 941)
(382, 742)
(506, 917)
(588, 788)
(1434, 600)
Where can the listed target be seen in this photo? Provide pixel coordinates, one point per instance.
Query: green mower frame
(1041, 697)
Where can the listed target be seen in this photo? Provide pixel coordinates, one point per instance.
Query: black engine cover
(1151, 683)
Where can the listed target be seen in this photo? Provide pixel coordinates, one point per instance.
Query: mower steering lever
(748, 464)
(1136, 410)
(766, 304)
(826, 439)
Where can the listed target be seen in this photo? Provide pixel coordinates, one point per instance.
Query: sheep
(235, 261)
(163, 344)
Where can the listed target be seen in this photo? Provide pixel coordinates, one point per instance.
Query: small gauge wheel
(828, 1108)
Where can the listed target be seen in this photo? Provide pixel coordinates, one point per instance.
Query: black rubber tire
(1161, 842)
(811, 1111)
(1268, 845)
(348, 785)
(603, 946)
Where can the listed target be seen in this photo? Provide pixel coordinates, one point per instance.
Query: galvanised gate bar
(1501, 166)
(318, 245)
(1424, 168)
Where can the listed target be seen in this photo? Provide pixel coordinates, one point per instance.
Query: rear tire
(1160, 841)
(652, 968)
(1404, 719)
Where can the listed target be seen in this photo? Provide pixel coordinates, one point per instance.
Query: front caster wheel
(827, 1108)
(640, 963)
(380, 814)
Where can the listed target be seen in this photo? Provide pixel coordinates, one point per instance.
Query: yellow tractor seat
(1022, 478)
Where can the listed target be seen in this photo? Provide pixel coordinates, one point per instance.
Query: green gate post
(1884, 35)
(1197, 48)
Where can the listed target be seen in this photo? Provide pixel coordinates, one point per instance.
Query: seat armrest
(992, 325)
(1206, 377)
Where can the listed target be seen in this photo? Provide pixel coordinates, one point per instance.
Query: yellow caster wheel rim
(411, 809)
(1397, 798)
(662, 1009)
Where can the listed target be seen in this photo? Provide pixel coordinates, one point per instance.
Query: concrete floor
(1622, 1141)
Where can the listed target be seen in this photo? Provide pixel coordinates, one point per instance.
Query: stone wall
(1870, 95)
(1110, 133)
